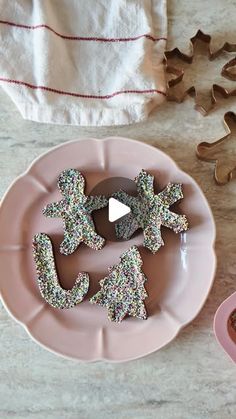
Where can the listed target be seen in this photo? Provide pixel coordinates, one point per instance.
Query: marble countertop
(191, 378)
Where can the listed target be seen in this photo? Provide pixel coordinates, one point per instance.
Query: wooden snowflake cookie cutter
(179, 73)
(224, 171)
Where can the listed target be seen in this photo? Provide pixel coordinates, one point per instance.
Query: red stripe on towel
(81, 95)
(82, 38)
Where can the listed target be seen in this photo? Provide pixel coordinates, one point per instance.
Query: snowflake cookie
(149, 212)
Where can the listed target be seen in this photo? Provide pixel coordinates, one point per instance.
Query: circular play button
(106, 218)
(117, 210)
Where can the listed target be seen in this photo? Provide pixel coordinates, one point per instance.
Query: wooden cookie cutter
(179, 73)
(225, 168)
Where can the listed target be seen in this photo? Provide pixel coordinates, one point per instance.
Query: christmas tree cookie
(122, 291)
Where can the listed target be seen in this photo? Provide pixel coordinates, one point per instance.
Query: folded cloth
(87, 62)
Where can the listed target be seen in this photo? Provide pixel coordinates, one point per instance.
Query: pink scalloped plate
(180, 275)
(224, 332)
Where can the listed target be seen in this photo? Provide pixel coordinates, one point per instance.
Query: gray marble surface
(191, 378)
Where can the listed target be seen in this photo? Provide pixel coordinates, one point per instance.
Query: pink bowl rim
(212, 247)
(221, 326)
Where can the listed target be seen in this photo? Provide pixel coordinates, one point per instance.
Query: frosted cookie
(75, 210)
(150, 211)
(47, 278)
(122, 291)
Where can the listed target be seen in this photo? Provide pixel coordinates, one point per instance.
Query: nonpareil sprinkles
(75, 210)
(122, 291)
(149, 212)
(47, 278)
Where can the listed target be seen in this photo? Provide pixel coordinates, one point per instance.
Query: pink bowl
(225, 334)
(180, 275)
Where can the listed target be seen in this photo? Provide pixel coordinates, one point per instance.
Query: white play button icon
(116, 210)
(106, 218)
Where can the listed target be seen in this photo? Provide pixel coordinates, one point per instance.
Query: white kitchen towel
(86, 62)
